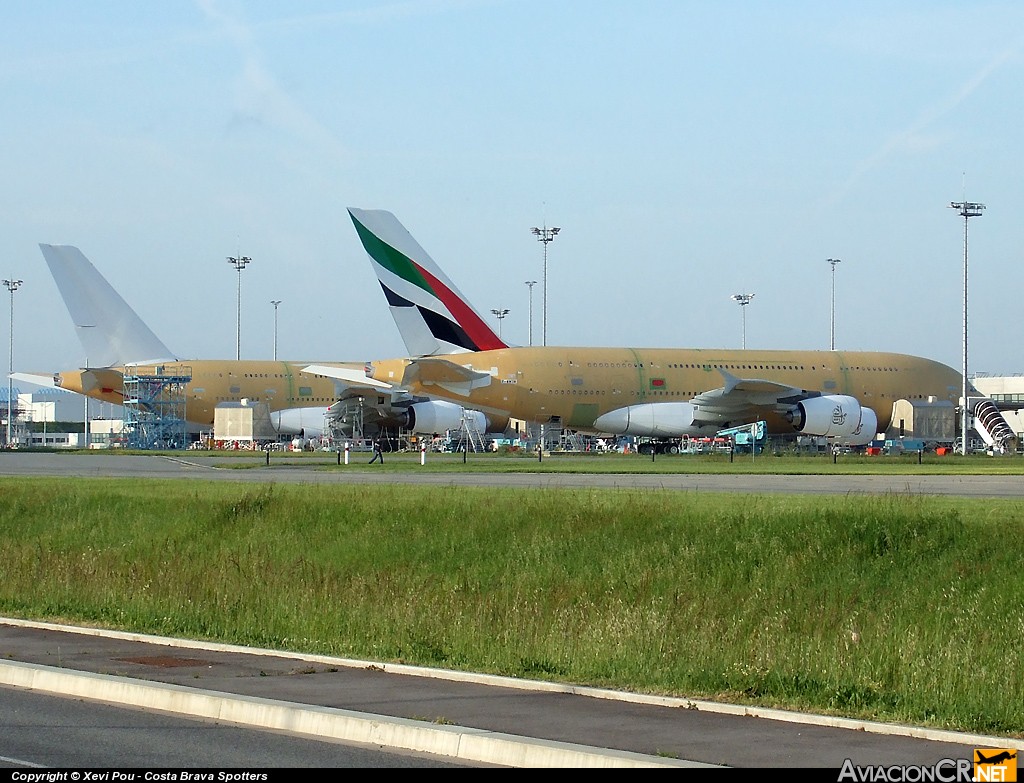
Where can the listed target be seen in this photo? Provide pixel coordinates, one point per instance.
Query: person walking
(378, 452)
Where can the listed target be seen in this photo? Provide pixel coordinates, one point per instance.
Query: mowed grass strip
(896, 608)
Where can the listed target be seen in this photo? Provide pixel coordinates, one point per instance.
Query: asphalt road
(280, 470)
(468, 718)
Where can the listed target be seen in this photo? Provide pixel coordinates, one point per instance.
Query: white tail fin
(111, 333)
(432, 315)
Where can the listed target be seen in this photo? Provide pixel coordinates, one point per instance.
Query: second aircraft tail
(109, 330)
(432, 315)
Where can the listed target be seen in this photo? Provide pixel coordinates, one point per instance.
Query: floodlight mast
(743, 300)
(275, 302)
(239, 262)
(545, 235)
(832, 340)
(966, 210)
(500, 315)
(12, 286)
(530, 284)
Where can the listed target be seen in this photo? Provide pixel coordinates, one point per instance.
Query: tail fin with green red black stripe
(432, 315)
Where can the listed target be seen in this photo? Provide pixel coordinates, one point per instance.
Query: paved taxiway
(462, 716)
(305, 471)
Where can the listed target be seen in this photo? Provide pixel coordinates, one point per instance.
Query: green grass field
(895, 608)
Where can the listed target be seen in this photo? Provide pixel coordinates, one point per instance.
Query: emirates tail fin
(432, 315)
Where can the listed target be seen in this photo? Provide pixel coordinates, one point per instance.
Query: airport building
(47, 417)
(1007, 392)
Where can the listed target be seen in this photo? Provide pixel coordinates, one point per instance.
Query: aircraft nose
(616, 421)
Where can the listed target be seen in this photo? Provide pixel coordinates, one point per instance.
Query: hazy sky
(688, 151)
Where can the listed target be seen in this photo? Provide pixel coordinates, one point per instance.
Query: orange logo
(995, 764)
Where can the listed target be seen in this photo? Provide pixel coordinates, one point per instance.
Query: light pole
(743, 300)
(530, 284)
(12, 286)
(966, 210)
(500, 315)
(275, 302)
(832, 342)
(239, 262)
(545, 235)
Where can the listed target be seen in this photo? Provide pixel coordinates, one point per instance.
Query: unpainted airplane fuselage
(280, 384)
(577, 385)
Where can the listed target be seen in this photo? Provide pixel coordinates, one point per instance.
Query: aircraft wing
(740, 395)
(392, 405)
(352, 380)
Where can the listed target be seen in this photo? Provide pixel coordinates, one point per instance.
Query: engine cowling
(831, 415)
(865, 433)
(437, 416)
(308, 422)
(657, 419)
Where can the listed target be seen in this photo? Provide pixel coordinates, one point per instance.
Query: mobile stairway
(991, 426)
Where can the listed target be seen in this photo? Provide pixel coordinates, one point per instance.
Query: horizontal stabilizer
(38, 379)
(442, 372)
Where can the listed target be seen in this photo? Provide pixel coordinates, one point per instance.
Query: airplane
(116, 340)
(659, 393)
(998, 758)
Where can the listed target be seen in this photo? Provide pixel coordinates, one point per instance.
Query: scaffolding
(345, 421)
(154, 406)
(468, 437)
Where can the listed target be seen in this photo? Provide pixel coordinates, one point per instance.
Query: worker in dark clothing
(378, 452)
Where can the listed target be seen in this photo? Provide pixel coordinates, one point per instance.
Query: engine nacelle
(308, 422)
(865, 433)
(832, 415)
(438, 416)
(656, 419)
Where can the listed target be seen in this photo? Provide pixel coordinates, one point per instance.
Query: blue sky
(688, 151)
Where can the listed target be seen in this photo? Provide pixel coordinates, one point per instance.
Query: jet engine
(656, 419)
(864, 434)
(832, 415)
(437, 416)
(299, 421)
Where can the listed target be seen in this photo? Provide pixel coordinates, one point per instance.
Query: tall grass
(897, 608)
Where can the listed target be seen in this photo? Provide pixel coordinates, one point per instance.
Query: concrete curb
(893, 729)
(464, 744)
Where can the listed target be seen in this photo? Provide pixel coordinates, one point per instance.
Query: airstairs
(572, 441)
(991, 426)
